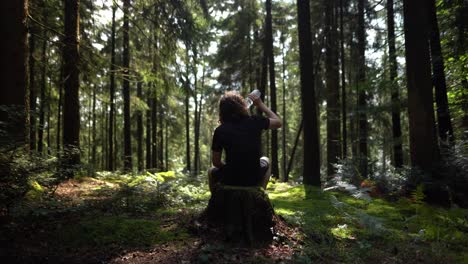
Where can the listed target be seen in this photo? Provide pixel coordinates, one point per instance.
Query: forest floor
(124, 219)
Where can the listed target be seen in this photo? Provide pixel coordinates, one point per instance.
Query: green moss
(346, 229)
(113, 230)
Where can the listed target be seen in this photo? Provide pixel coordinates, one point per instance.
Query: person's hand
(255, 99)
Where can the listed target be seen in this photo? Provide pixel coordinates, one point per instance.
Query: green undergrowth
(108, 231)
(340, 228)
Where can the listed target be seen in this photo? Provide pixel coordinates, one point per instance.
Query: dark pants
(214, 179)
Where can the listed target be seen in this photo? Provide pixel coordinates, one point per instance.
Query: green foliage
(349, 230)
(116, 230)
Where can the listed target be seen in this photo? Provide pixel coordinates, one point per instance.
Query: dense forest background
(371, 92)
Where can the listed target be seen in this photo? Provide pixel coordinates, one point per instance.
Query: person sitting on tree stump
(239, 135)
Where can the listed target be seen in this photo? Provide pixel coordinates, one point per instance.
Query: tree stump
(245, 213)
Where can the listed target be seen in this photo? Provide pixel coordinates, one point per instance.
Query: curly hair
(232, 108)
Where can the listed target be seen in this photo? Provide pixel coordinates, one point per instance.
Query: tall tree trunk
(332, 90)
(283, 141)
(271, 66)
(111, 163)
(443, 113)
(362, 95)
(71, 109)
(32, 89)
(344, 135)
(94, 142)
(195, 99)
(166, 149)
(161, 138)
(14, 74)
(49, 149)
(148, 128)
(309, 106)
(126, 88)
(396, 123)
(59, 107)
(187, 129)
(461, 22)
(104, 137)
(423, 141)
(293, 152)
(154, 128)
(140, 129)
(40, 143)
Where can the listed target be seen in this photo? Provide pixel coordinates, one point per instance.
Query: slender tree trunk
(396, 123)
(187, 128)
(166, 150)
(140, 129)
(362, 94)
(148, 128)
(94, 141)
(154, 129)
(423, 141)
(271, 61)
(71, 110)
(161, 134)
(126, 88)
(59, 107)
(111, 159)
(32, 89)
(14, 74)
(332, 91)
(293, 152)
(311, 147)
(48, 100)
(187, 112)
(104, 137)
(195, 125)
(344, 135)
(284, 147)
(264, 71)
(443, 113)
(461, 22)
(40, 143)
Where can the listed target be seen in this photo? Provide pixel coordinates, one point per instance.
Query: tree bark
(14, 74)
(126, 88)
(148, 128)
(362, 94)
(40, 143)
(396, 123)
(283, 142)
(111, 163)
(438, 75)
(271, 66)
(140, 129)
(94, 141)
(344, 135)
(332, 90)
(423, 141)
(32, 90)
(311, 164)
(71, 108)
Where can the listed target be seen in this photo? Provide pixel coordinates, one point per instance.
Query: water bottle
(249, 101)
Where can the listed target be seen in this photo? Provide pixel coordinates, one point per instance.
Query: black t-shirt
(241, 142)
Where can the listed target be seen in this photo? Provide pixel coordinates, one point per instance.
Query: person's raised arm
(275, 121)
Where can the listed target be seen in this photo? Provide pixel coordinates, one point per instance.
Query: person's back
(241, 141)
(239, 135)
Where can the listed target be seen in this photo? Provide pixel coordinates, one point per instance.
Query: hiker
(239, 135)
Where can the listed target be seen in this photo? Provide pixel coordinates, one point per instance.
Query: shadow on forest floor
(101, 221)
(96, 221)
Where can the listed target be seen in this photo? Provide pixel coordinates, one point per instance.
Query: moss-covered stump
(245, 213)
